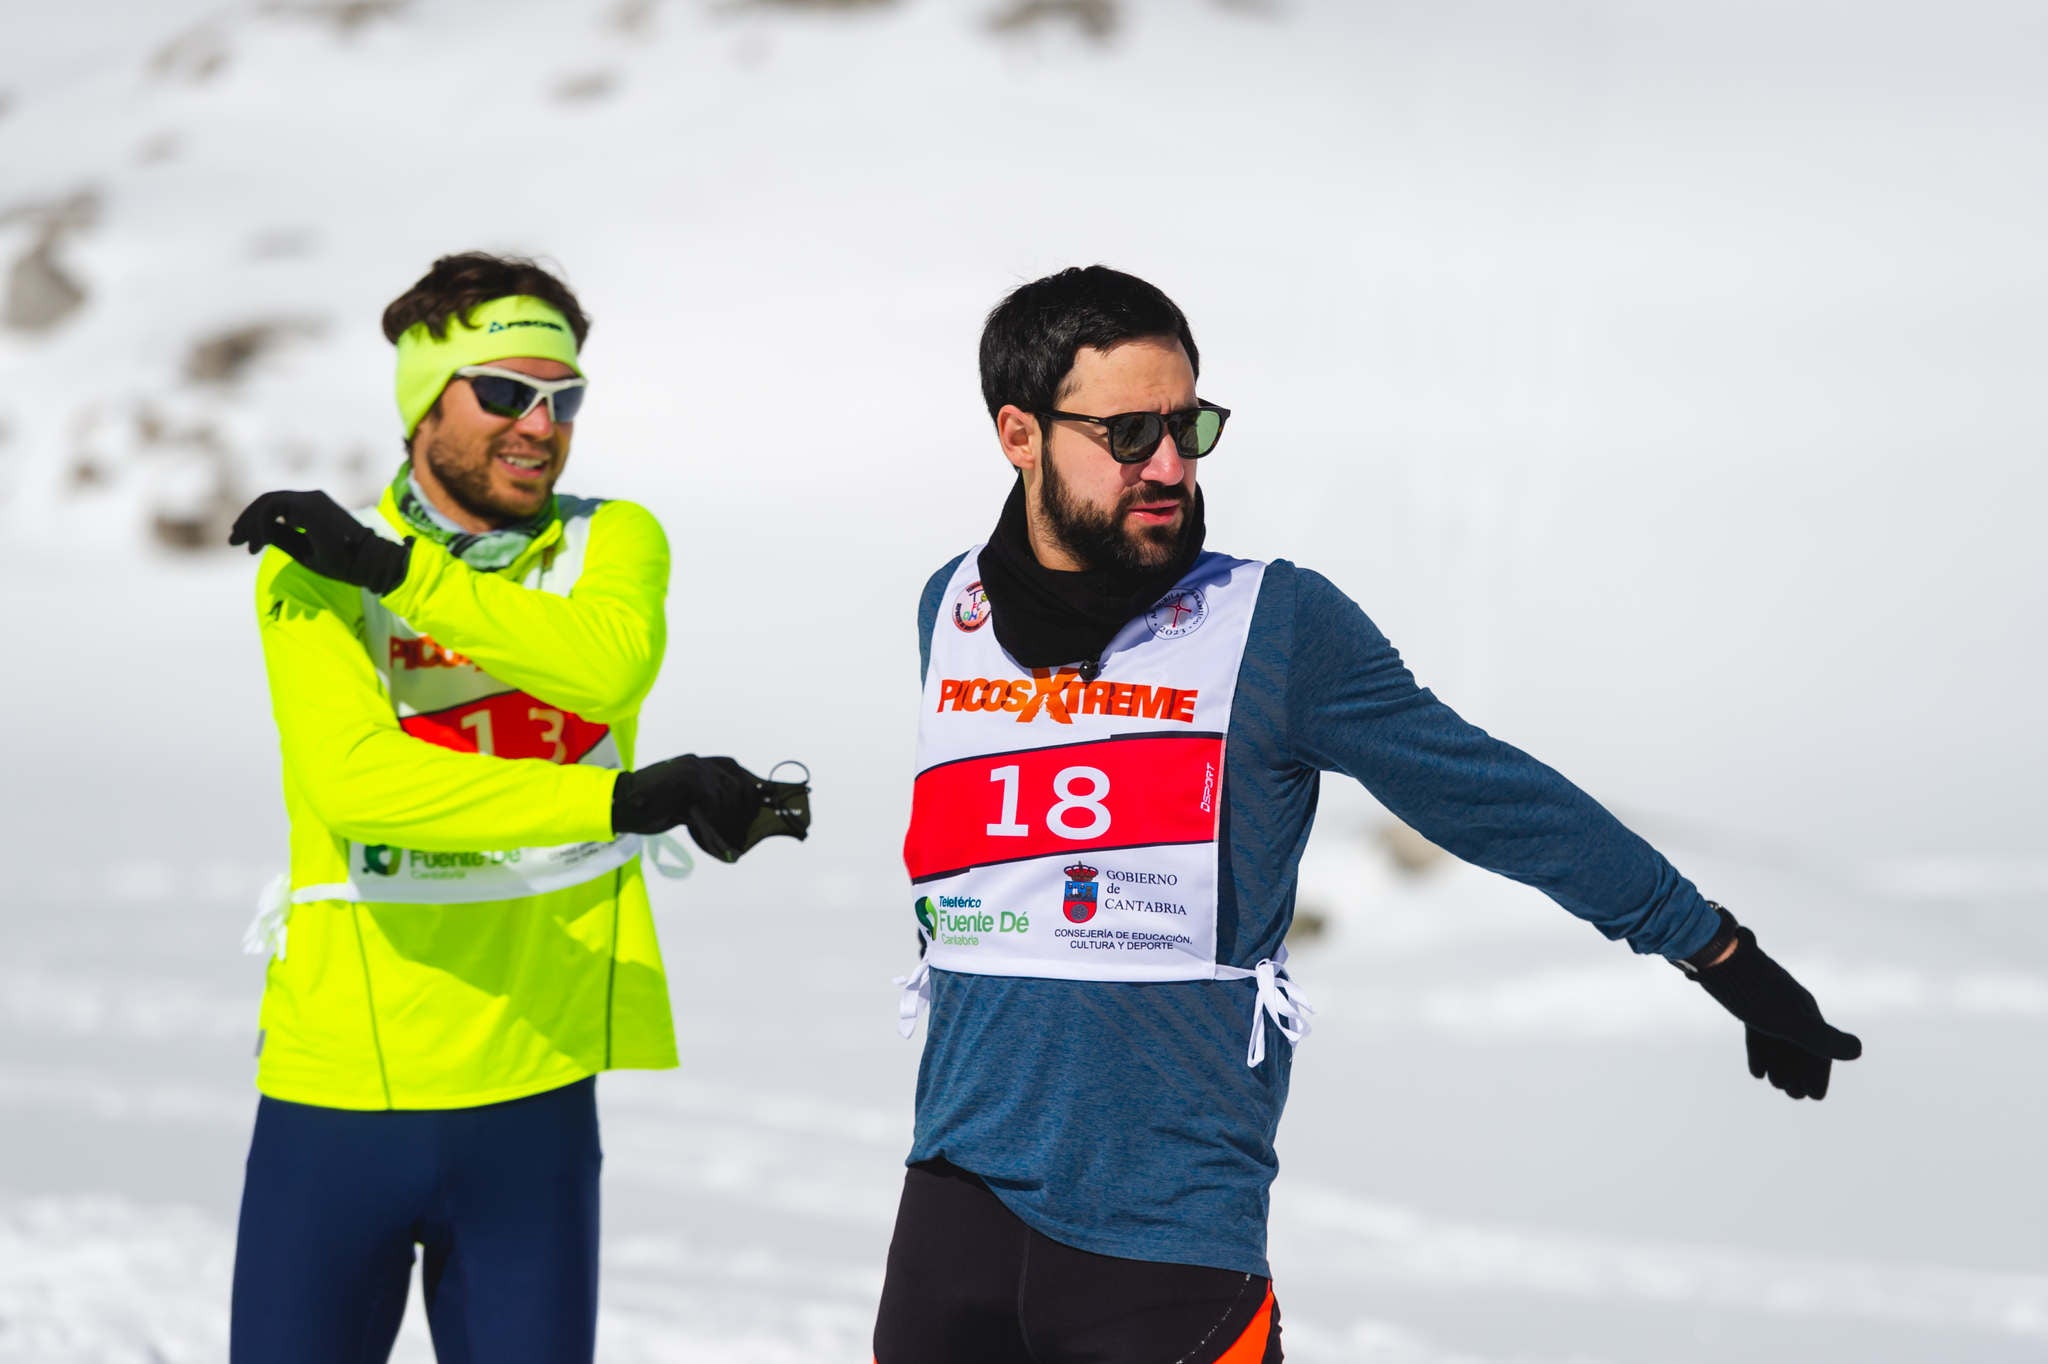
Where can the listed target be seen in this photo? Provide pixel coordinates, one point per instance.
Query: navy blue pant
(502, 1199)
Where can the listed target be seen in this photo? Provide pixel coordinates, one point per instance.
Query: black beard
(468, 484)
(1100, 540)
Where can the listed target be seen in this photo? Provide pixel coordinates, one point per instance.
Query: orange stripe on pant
(1250, 1348)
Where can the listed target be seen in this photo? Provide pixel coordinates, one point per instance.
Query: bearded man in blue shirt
(1119, 753)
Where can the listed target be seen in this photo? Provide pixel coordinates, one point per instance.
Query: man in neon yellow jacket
(466, 941)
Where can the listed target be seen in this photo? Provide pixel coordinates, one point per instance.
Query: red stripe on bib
(512, 724)
(1131, 792)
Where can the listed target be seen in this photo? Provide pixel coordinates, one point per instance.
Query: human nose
(1166, 465)
(539, 422)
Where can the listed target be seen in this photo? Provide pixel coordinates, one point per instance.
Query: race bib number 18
(1144, 790)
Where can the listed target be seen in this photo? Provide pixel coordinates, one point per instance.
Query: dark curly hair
(457, 285)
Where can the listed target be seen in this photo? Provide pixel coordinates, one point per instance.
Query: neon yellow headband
(517, 325)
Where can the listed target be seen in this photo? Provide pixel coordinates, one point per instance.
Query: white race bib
(1066, 828)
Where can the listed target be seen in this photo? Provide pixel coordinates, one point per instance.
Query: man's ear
(1018, 433)
(423, 430)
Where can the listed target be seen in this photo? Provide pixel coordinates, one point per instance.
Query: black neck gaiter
(1045, 616)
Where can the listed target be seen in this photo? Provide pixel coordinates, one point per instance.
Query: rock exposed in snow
(225, 356)
(1098, 19)
(42, 293)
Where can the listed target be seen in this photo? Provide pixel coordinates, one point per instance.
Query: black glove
(1790, 1044)
(727, 808)
(314, 529)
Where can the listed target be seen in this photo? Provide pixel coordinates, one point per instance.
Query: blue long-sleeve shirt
(1121, 1118)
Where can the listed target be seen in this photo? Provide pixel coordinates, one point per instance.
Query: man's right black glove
(727, 808)
(1790, 1044)
(314, 529)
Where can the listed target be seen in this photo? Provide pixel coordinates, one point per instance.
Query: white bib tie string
(914, 997)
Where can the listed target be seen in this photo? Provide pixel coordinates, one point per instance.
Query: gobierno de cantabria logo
(1079, 902)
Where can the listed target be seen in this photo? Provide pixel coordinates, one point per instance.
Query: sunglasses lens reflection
(1133, 436)
(502, 397)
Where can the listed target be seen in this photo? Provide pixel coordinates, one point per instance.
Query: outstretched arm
(1353, 707)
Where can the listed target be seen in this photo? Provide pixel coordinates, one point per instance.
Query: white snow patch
(1631, 999)
(105, 1096)
(102, 1281)
(104, 1003)
(1952, 879)
(1391, 1242)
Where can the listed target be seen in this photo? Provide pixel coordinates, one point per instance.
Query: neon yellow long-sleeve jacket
(380, 1005)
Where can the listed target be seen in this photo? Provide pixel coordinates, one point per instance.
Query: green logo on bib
(927, 917)
(383, 859)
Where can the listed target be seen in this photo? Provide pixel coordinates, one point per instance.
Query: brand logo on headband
(508, 326)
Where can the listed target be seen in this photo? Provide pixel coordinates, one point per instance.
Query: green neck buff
(486, 551)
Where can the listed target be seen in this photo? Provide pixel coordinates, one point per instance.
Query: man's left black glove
(1790, 1044)
(726, 808)
(315, 530)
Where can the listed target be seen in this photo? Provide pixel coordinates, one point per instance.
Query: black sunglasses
(1133, 436)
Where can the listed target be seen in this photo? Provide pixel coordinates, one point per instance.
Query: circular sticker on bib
(1179, 612)
(970, 608)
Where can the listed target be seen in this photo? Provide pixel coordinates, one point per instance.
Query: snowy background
(1665, 378)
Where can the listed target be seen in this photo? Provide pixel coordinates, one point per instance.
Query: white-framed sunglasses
(508, 393)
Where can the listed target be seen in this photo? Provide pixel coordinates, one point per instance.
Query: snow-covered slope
(1661, 377)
